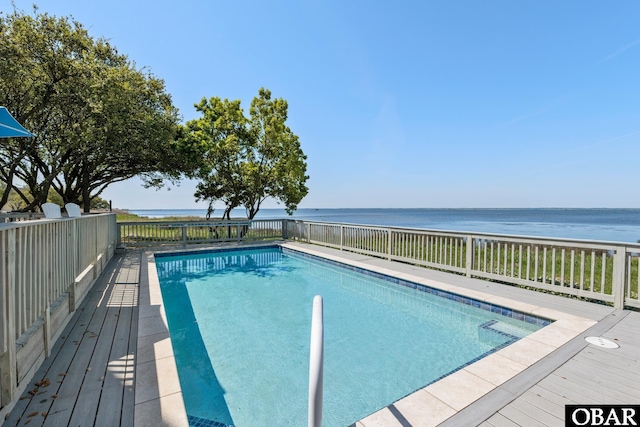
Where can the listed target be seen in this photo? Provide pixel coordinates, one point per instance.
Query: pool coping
(158, 385)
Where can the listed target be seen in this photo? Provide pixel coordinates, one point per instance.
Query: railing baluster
(582, 263)
(573, 267)
(520, 261)
(528, 261)
(603, 273)
(553, 266)
(491, 265)
(544, 265)
(562, 267)
(537, 260)
(593, 270)
(506, 261)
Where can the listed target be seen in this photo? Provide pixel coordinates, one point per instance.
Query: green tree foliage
(97, 118)
(245, 160)
(100, 204)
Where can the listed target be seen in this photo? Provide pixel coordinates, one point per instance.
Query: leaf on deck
(44, 383)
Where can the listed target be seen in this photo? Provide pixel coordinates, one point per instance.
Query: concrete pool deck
(527, 383)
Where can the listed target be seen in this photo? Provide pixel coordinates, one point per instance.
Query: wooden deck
(89, 377)
(577, 373)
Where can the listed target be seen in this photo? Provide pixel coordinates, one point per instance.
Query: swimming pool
(240, 325)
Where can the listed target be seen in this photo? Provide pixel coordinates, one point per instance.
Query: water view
(616, 225)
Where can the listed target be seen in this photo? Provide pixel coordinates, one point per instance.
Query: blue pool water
(240, 326)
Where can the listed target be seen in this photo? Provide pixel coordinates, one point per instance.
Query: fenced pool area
(557, 369)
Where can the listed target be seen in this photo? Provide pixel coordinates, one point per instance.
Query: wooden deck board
(128, 398)
(521, 418)
(605, 383)
(551, 407)
(613, 371)
(96, 355)
(117, 372)
(88, 396)
(551, 396)
(53, 367)
(566, 386)
(619, 359)
(64, 405)
(540, 411)
(499, 420)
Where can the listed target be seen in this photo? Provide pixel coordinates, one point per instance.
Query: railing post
(9, 380)
(618, 276)
(47, 329)
(97, 270)
(284, 229)
(308, 233)
(316, 362)
(184, 234)
(389, 244)
(74, 244)
(341, 236)
(470, 253)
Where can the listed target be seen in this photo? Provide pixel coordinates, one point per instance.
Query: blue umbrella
(10, 128)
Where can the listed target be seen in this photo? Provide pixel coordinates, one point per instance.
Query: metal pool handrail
(316, 362)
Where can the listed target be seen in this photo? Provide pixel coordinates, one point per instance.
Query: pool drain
(601, 342)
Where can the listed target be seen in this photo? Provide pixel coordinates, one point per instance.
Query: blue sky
(407, 103)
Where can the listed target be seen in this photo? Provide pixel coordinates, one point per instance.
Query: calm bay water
(618, 225)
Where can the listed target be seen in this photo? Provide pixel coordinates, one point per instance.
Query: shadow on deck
(89, 377)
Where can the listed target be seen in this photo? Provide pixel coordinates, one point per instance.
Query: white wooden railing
(20, 216)
(600, 271)
(46, 268)
(187, 232)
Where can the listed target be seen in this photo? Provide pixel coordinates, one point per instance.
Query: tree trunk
(86, 199)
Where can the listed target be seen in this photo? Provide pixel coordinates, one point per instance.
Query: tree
(131, 127)
(244, 161)
(97, 118)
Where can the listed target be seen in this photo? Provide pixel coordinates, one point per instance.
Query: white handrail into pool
(316, 362)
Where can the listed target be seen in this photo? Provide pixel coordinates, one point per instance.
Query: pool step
(496, 333)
